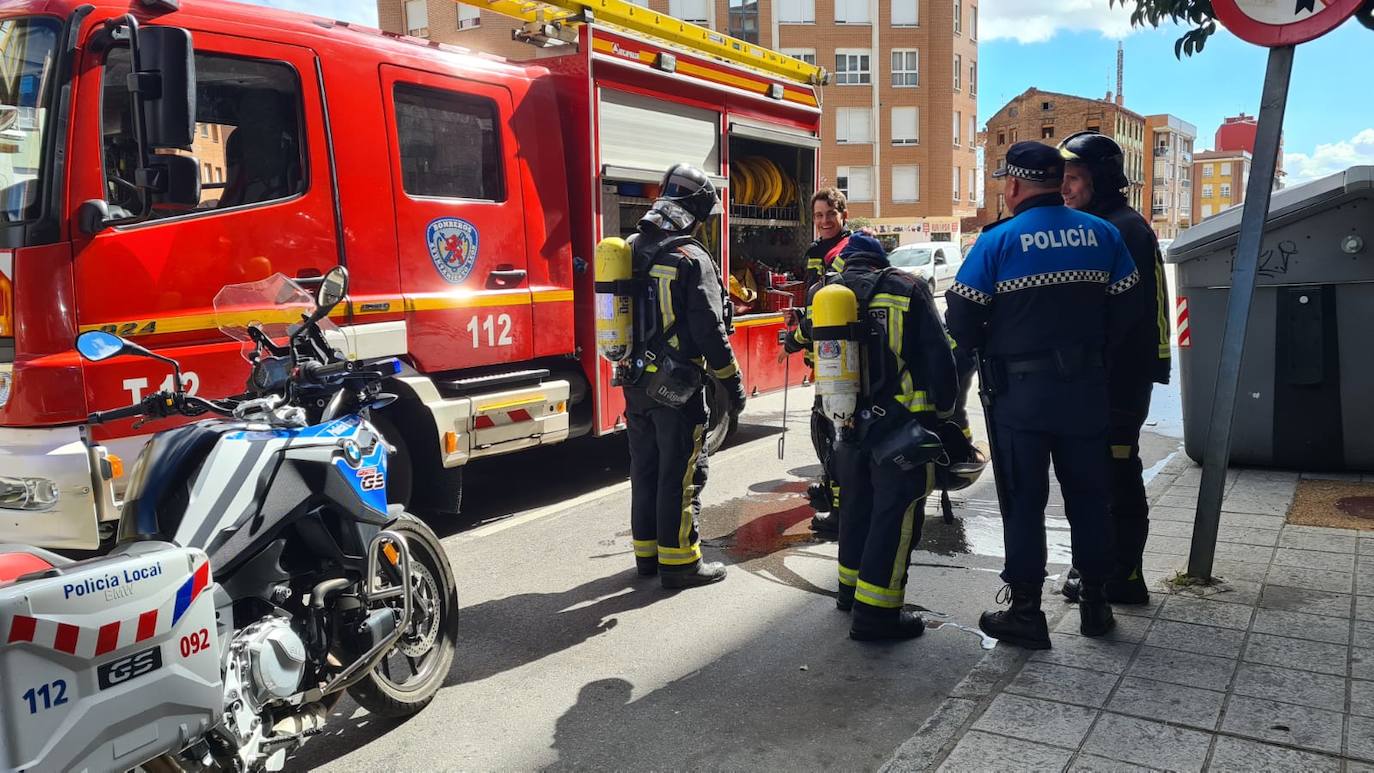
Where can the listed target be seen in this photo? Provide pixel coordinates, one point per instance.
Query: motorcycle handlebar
(99, 417)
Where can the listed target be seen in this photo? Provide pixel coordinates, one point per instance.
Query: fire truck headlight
(27, 493)
(6, 378)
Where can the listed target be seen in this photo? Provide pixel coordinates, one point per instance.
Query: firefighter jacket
(682, 306)
(1143, 354)
(821, 254)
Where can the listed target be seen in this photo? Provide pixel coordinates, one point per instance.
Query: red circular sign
(1282, 22)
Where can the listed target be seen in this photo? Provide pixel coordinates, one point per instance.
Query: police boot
(877, 624)
(1023, 624)
(1095, 614)
(700, 573)
(1131, 590)
(844, 600)
(1072, 584)
(647, 566)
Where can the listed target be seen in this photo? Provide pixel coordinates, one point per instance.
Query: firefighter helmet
(962, 462)
(686, 199)
(1101, 155)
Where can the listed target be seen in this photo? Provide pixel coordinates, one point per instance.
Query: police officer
(680, 333)
(829, 214)
(1093, 178)
(1039, 298)
(908, 384)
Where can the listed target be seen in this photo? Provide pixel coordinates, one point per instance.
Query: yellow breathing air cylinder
(614, 312)
(834, 312)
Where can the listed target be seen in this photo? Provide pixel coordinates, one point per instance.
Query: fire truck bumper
(55, 488)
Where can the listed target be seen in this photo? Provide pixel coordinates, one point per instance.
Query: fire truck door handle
(505, 277)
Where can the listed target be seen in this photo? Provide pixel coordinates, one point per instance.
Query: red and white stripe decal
(1184, 339)
(517, 416)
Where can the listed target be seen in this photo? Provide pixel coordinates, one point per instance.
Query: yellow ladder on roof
(642, 20)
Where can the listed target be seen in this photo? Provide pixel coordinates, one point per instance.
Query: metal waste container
(1306, 395)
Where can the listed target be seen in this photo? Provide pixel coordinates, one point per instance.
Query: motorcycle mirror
(97, 345)
(333, 288)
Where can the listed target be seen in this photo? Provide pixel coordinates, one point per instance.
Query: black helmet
(686, 199)
(962, 463)
(1101, 155)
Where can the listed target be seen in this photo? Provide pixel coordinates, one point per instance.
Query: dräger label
(114, 584)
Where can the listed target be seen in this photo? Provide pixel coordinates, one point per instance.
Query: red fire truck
(152, 152)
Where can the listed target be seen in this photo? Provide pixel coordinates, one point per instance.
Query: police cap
(862, 244)
(1033, 161)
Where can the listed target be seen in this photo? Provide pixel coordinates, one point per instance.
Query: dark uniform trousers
(667, 472)
(1129, 400)
(880, 524)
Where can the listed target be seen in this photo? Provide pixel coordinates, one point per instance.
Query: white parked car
(935, 262)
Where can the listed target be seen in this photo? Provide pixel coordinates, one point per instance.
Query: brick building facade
(1219, 181)
(900, 124)
(1169, 174)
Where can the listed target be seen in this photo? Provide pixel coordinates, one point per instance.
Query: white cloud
(1036, 21)
(1329, 158)
(356, 11)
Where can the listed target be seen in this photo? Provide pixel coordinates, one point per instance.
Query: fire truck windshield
(27, 47)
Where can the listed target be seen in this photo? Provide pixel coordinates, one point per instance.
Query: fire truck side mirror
(169, 107)
(174, 181)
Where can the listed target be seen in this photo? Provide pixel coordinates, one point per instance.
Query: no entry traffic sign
(1282, 22)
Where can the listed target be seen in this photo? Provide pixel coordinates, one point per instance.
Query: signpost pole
(1217, 450)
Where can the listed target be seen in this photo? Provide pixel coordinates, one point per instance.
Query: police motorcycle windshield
(275, 306)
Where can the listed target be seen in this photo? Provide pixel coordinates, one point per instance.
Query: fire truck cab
(153, 152)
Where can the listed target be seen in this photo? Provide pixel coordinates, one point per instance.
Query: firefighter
(885, 450)
(829, 214)
(679, 337)
(1094, 175)
(1039, 298)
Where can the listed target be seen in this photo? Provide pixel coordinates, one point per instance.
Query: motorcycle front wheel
(407, 679)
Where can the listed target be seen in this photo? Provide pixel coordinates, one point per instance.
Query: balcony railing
(1157, 210)
(1159, 151)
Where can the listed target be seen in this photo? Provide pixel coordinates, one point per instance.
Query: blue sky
(1070, 46)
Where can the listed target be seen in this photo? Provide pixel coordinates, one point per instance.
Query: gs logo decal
(453, 247)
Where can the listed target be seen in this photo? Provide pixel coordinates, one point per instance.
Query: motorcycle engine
(265, 663)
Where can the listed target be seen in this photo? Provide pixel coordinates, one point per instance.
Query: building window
(855, 182)
(1011, 135)
(852, 67)
(972, 77)
(906, 67)
(1046, 132)
(744, 20)
(1046, 106)
(468, 17)
(1206, 211)
(973, 22)
(1206, 191)
(207, 172)
(905, 126)
(448, 144)
(205, 130)
(958, 16)
(807, 55)
(640, 3)
(851, 12)
(1225, 169)
(1001, 203)
(797, 12)
(958, 120)
(958, 72)
(972, 131)
(972, 184)
(853, 125)
(957, 174)
(1206, 170)
(1001, 138)
(906, 183)
(1226, 190)
(905, 13)
(417, 18)
(692, 10)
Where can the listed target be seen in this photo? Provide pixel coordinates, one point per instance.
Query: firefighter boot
(844, 601)
(647, 566)
(1095, 614)
(1072, 584)
(877, 624)
(826, 525)
(819, 495)
(1023, 624)
(1131, 590)
(700, 573)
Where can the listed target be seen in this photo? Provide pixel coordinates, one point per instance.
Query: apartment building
(901, 117)
(1049, 117)
(1237, 133)
(1220, 177)
(1169, 172)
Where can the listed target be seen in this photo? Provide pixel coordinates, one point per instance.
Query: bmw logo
(352, 453)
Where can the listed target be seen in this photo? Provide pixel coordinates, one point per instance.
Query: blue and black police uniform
(1039, 297)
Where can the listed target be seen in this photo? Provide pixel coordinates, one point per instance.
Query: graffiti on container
(1275, 260)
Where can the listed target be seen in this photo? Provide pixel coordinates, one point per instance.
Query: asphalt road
(568, 660)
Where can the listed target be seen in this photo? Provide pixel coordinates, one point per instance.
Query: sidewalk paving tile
(1359, 741)
(1237, 591)
(1313, 579)
(1239, 570)
(1177, 501)
(1149, 608)
(1312, 602)
(1362, 663)
(1255, 554)
(1128, 628)
(1298, 528)
(1297, 653)
(1167, 702)
(1297, 625)
(1284, 723)
(1173, 546)
(1287, 685)
(1049, 681)
(1257, 504)
(1186, 668)
(1247, 535)
(1361, 698)
(1031, 719)
(1161, 512)
(1183, 609)
(1364, 607)
(1349, 477)
(1364, 634)
(1366, 545)
(1163, 566)
(978, 752)
(1251, 520)
(1315, 559)
(1091, 763)
(1329, 540)
(1202, 639)
(1084, 652)
(1148, 743)
(1233, 755)
(1182, 529)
